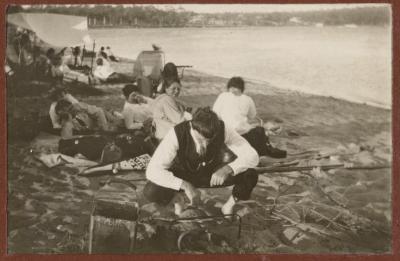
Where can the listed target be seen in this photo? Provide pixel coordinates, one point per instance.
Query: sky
(263, 8)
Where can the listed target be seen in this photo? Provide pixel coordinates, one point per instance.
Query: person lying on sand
(110, 55)
(104, 73)
(168, 111)
(57, 94)
(189, 157)
(60, 72)
(137, 111)
(82, 117)
(238, 111)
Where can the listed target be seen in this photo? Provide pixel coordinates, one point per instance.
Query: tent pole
(91, 65)
(83, 54)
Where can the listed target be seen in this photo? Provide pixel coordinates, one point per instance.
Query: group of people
(103, 72)
(29, 61)
(212, 147)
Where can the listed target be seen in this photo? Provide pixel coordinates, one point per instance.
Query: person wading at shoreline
(192, 155)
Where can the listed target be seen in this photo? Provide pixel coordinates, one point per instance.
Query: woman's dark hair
(129, 88)
(169, 76)
(236, 82)
(206, 122)
(170, 72)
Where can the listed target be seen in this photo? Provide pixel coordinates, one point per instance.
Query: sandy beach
(49, 208)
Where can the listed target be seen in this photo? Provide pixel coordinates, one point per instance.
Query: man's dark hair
(50, 52)
(62, 107)
(129, 88)
(99, 61)
(206, 122)
(57, 92)
(236, 82)
(76, 51)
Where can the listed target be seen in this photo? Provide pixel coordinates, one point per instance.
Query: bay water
(343, 62)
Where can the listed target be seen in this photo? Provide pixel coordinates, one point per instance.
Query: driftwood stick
(273, 169)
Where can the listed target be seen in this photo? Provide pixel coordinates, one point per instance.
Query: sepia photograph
(199, 128)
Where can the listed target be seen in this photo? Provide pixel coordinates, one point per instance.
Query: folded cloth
(136, 163)
(57, 159)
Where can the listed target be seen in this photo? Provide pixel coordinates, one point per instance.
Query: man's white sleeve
(157, 170)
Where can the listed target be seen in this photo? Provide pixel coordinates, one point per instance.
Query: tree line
(150, 16)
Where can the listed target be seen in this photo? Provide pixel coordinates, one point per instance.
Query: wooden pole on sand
(91, 64)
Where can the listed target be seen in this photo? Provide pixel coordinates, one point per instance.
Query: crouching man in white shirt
(192, 156)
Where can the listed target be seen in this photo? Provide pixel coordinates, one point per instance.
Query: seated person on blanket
(104, 73)
(137, 111)
(84, 118)
(189, 157)
(238, 111)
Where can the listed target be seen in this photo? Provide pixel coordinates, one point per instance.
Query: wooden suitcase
(113, 222)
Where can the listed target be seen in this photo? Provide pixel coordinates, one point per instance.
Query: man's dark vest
(188, 162)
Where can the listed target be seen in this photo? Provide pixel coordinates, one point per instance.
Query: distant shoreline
(244, 26)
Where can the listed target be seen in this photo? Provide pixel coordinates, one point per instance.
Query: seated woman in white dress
(168, 111)
(238, 111)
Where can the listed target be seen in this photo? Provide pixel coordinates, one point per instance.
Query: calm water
(349, 63)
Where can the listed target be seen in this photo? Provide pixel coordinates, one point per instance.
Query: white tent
(54, 29)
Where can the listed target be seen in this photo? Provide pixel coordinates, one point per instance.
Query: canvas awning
(54, 29)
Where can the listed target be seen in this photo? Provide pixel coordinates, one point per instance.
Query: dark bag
(111, 153)
(132, 145)
(89, 146)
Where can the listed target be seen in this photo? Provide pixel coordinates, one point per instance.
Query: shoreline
(270, 85)
(127, 63)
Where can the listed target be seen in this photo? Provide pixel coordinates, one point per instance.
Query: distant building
(216, 22)
(197, 20)
(319, 25)
(295, 20)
